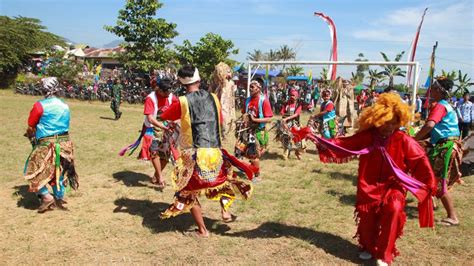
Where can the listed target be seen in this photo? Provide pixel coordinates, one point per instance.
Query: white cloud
(450, 24)
(380, 34)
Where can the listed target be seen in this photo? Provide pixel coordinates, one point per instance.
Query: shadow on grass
(467, 169)
(150, 211)
(339, 175)
(107, 118)
(411, 211)
(332, 244)
(134, 179)
(27, 200)
(317, 171)
(313, 152)
(343, 198)
(273, 156)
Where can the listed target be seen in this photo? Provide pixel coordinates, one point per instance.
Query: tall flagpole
(333, 34)
(411, 58)
(431, 77)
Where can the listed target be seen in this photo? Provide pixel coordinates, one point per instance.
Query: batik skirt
(208, 171)
(446, 159)
(51, 158)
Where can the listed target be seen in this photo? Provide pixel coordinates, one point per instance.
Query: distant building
(105, 56)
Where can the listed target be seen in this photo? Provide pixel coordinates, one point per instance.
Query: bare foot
(198, 234)
(161, 182)
(153, 179)
(226, 216)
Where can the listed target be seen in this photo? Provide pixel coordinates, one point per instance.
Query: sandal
(46, 205)
(449, 222)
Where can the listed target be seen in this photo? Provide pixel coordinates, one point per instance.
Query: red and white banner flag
(332, 32)
(414, 44)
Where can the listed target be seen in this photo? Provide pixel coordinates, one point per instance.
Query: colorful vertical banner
(429, 80)
(267, 80)
(414, 44)
(333, 34)
(310, 77)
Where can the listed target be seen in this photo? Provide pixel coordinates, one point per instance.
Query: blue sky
(363, 26)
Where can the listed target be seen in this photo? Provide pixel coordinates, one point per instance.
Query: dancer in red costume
(386, 156)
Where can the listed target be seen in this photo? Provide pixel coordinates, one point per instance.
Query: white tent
(58, 48)
(78, 52)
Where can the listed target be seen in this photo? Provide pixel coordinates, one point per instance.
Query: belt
(58, 137)
(447, 139)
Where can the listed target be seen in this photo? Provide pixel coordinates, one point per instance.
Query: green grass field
(301, 213)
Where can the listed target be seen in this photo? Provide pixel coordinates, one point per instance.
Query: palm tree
(272, 56)
(294, 71)
(256, 55)
(375, 77)
(463, 83)
(392, 71)
(452, 75)
(286, 53)
(361, 69)
(356, 78)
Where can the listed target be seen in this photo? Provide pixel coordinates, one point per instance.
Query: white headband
(190, 80)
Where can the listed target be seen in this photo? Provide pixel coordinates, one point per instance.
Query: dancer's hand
(252, 118)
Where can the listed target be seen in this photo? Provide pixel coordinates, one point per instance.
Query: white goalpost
(259, 64)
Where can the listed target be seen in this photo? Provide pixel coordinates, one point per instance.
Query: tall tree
(392, 71)
(146, 37)
(209, 51)
(361, 69)
(19, 37)
(375, 77)
(356, 78)
(256, 55)
(286, 53)
(272, 55)
(294, 71)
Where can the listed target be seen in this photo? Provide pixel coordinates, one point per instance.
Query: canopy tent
(298, 78)
(58, 48)
(78, 52)
(358, 88)
(416, 65)
(262, 72)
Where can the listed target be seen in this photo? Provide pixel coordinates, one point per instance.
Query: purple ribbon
(417, 188)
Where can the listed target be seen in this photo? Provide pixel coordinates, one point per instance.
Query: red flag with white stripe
(414, 44)
(332, 33)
